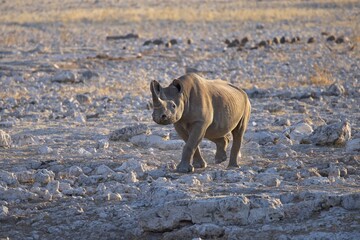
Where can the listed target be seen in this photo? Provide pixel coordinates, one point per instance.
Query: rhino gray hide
(201, 108)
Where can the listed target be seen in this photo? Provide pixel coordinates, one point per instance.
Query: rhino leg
(198, 160)
(191, 148)
(238, 134)
(221, 145)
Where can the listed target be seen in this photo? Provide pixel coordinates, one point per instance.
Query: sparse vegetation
(228, 11)
(321, 77)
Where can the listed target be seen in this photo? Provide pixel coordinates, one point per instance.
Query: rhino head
(168, 102)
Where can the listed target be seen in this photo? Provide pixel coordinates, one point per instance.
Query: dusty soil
(69, 77)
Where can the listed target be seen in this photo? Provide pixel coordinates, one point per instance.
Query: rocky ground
(80, 156)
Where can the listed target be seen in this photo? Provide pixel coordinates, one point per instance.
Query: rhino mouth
(163, 119)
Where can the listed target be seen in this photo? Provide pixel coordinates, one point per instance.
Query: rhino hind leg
(238, 134)
(198, 160)
(221, 146)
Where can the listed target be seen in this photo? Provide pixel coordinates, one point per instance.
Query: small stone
(335, 89)
(244, 41)
(103, 170)
(102, 144)
(331, 38)
(298, 131)
(259, 26)
(26, 176)
(234, 43)
(127, 132)
(311, 40)
(274, 107)
(7, 124)
(282, 122)
(75, 171)
(147, 42)
(43, 176)
(264, 137)
(64, 77)
(334, 172)
(351, 201)
(127, 36)
(189, 41)
(157, 42)
(45, 150)
(173, 41)
(4, 211)
(156, 142)
(79, 117)
(131, 177)
(268, 179)
(53, 187)
(24, 140)
(262, 44)
(284, 40)
(83, 99)
(84, 152)
(340, 39)
(276, 40)
(353, 145)
(5, 139)
(8, 177)
(168, 44)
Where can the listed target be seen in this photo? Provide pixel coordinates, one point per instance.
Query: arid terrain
(81, 158)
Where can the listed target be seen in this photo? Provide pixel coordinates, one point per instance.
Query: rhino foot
(220, 159)
(184, 168)
(233, 166)
(199, 163)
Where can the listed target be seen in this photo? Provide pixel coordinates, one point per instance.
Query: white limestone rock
(75, 171)
(124, 134)
(263, 137)
(333, 134)
(140, 167)
(25, 139)
(351, 201)
(103, 170)
(221, 210)
(298, 131)
(353, 145)
(8, 177)
(16, 194)
(5, 139)
(45, 150)
(27, 176)
(4, 211)
(102, 144)
(44, 176)
(268, 179)
(156, 142)
(84, 152)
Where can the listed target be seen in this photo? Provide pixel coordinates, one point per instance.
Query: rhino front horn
(155, 91)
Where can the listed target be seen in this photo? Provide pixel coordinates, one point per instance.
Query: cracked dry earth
(81, 158)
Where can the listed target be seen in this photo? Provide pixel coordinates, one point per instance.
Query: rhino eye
(173, 105)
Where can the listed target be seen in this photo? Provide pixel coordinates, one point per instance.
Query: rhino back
(216, 102)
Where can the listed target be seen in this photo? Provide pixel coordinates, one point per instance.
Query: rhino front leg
(191, 146)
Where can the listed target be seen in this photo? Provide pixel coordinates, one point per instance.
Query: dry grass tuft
(321, 77)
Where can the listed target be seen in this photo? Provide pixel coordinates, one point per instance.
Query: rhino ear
(177, 83)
